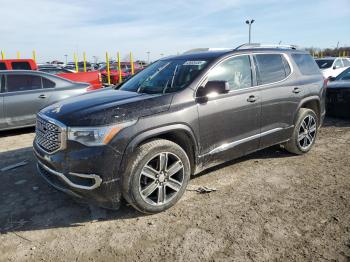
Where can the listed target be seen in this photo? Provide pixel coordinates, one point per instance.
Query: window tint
(324, 63)
(236, 71)
(17, 83)
(306, 64)
(2, 84)
(48, 83)
(271, 68)
(346, 62)
(338, 63)
(2, 66)
(21, 66)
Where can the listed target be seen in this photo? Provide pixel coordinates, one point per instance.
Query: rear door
(280, 97)
(23, 98)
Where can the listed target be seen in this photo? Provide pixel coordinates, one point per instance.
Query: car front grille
(48, 135)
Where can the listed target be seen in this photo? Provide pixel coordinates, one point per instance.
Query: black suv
(175, 118)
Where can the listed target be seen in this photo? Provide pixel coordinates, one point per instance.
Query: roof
(218, 53)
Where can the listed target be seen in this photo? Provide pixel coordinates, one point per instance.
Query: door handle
(251, 99)
(296, 90)
(42, 96)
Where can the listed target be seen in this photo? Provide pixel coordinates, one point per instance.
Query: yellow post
(339, 54)
(2, 55)
(344, 53)
(108, 71)
(76, 63)
(84, 55)
(34, 56)
(18, 55)
(119, 69)
(132, 64)
(321, 54)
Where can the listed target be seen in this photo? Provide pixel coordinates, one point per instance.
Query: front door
(230, 123)
(23, 98)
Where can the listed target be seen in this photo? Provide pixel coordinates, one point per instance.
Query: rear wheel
(304, 134)
(156, 176)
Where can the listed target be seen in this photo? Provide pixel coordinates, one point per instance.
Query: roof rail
(206, 49)
(258, 45)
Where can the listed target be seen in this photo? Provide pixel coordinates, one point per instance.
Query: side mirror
(213, 88)
(331, 78)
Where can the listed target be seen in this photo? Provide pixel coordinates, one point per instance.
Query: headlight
(96, 136)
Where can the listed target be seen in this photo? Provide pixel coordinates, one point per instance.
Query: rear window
(2, 66)
(17, 83)
(324, 63)
(271, 68)
(48, 83)
(306, 64)
(21, 66)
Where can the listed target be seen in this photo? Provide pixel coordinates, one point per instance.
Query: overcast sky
(58, 27)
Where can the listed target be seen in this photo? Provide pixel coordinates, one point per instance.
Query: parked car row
(93, 78)
(24, 92)
(332, 66)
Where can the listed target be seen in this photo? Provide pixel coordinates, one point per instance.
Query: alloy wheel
(307, 132)
(161, 178)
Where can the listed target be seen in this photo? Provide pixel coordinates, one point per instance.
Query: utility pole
(66, 58)
(249, 23)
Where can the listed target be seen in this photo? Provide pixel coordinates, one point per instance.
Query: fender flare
(139, 138)
(305, 100)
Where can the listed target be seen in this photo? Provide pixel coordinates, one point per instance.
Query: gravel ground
(268, 206)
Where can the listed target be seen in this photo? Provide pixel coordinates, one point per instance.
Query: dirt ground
(269, 206)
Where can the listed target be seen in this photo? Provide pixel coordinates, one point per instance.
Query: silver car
(23, 93)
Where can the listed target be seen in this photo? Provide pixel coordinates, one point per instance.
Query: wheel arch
(179, 133)
(312, 103)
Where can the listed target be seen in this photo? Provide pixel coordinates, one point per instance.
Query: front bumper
(89, 173)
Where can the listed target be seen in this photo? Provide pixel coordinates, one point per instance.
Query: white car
(332, 66)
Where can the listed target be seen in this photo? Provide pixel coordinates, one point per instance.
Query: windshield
(324, 63)
(344, 76)
(165, 76)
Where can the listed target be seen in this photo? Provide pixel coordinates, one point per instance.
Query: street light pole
(66, 58)
(249, 23)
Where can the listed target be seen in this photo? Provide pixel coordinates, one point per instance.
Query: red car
(114, 71)
(18, 64)
(93, 78)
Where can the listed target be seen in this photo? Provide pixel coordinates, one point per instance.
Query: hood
(106, 107)
(339, 84)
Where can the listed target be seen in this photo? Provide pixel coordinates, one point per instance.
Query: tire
(150, 172)
(304, 135)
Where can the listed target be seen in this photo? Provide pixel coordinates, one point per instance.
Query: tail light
(325, 82)
(99, 77)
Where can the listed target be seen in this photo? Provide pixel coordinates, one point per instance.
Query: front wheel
(304, 134)
(156, 176)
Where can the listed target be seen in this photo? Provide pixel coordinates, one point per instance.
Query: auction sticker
(194, 63)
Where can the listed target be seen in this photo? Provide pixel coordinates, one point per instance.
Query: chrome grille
(48, 135)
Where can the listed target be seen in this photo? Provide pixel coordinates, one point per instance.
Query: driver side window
(236, 71)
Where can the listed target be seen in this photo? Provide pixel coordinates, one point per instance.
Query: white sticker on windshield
(194, 63)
